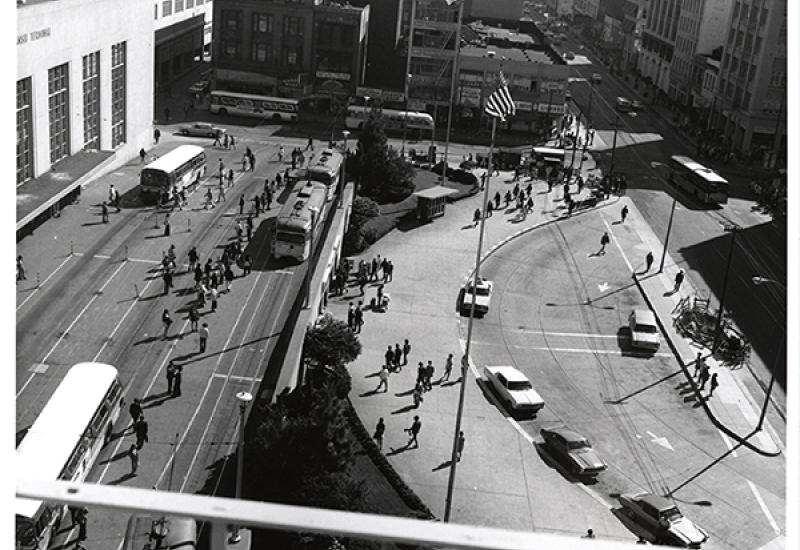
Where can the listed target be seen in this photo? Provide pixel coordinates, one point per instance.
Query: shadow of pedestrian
(405, 409)
(121, 454)
(373, 374)
(443, 465)
(122, 479)
(368, 393)
(405, 393)
(147, 340)
(154, 396)
(399, 450)
(449, 383)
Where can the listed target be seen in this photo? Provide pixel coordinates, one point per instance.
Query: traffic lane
(650, 428)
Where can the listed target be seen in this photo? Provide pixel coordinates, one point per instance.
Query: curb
(730, 433)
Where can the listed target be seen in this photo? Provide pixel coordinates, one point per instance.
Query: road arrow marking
(660, 441)
(603, 287)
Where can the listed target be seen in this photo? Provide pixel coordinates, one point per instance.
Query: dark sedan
(574, 449)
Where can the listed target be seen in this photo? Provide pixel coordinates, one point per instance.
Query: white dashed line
(764, 508)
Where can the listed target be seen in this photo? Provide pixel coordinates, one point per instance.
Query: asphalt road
(698, 238)
(559, 314)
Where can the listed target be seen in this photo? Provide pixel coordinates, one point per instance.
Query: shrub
(354, 241)
(364, 209)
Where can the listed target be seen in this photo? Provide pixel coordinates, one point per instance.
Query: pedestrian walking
(209, 200)
(81, 518)
(310, 144)
(497, 200)
(142, 154)
(217, 135)
(141, 430)
(589, 534)
(167, 321)
(489, 209)
(389, 357)
(176, 385)
(225, 141)
(604, 240)
(398, 356)
(249, 226)
(233, 142)
(104, 212)
(699, 365)
(624, 213)
(257, 204)
(476, 217)
(221, 194)
(194, 317)
(133, 454)
(241, 204)
(214, 297)
(429, 371)
(156, 135)
(228, 278)
(406, 351)
(459, 446)
(703, 378)
(413, 432)
(648, 261)
(135, 409)
(416, 395)
(380, 428)
(678, 281)
(170, 377)
(359, 318)
(383, 377)
(167, 276)
(230, 178)
(351, 317)
(448, 368)
(362, 282)
(204, 334)
(713, 384)
(420, 374)
(167, 227)
(20, 269)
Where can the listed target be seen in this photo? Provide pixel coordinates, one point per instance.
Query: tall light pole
(669, 230)
(409, 46)
(453, 79)
(310, 267)
(244, 399)
(757, 280)
(613, 149)
(346, 134)
(405, 116)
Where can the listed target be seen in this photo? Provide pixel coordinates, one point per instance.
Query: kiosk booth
(431, 202)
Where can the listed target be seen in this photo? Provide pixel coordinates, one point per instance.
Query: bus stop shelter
(431, 202)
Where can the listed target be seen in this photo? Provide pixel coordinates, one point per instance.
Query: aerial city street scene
(383, 274)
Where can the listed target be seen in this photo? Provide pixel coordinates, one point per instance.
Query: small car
(596, 78)
(661, 518)
(644, 331)
(483, 296)
(201, 129)
(636, 105)
(199, 87)
(514, 389)
(569, 55)
(575, 449)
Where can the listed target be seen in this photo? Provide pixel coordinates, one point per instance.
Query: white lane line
(764, 508)
(35, 290)
(107, 257)
(616, 242)
(570, 334)
(72, 324)
(728, 443)
(122, 320)
(581, 350)
(237, 378)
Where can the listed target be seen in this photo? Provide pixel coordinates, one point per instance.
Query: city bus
(299, 221)
(63, 443)
(178, 169)
(701, 182)
(548, 155)
(278, 109)
(418, 125)
(326, 167)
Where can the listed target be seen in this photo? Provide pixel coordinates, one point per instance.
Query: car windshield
(519, 385)
(482, 290)
(670, 514)
(646, 328)
(578, 444)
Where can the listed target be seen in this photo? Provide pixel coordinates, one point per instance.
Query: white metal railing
(227, 511)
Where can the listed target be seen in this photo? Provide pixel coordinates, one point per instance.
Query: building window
(230, 49)
(24, 131)
(118, 93)
(155, 11)
(763, 21)
(262, 22)
(166, 8)
(293, 56)
(293, 26)
(91, 101)
(189, 4)
(261, 52)
(230, 19)
(58, 106)
(178, 5)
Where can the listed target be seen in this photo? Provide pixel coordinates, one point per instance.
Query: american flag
(500, 105)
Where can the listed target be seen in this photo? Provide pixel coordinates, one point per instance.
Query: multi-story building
(750, 107)
(588, 8)
(79, 101)
(702, 27)
(494, 10)
(658, 41)
(632, 26)
(182, 34)
(385, 60)
(289, 48)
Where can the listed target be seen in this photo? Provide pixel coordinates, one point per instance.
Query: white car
(483, 296)
(514, 389)
(201, 129)
(662, 520)
(644, 331)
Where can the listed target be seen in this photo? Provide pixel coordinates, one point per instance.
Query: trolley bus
(419, 125)
(63, 443)
(278, 109)
(548, 155)
(299, 221)
(180, 168)
(701, 182)
(326, 167)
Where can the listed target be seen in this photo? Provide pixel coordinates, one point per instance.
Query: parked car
(514, 389)
(596, 78)
(569, 55)
(483, 296)
(644, 331)
(199, 87)
(201, 129)
(662, 520)
(575, 449)
(636, 105)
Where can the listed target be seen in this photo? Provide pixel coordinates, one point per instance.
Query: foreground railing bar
(299, 518)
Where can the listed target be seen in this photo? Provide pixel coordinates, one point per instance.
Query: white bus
(701, 182)
(326, 167)
(180, 168)
(548, 155)
(417, 124)
(278, 109)
(296, 223)
(63, 443)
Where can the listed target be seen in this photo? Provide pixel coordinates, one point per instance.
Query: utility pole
(733, 229)
(453, 79)
(613, 148)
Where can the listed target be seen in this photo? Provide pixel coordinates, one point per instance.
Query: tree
(363, 209)
(382, 175)
(327, 347)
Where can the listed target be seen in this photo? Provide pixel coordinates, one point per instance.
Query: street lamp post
(669, 230)
(244, 399)
(453, 78)
(310, 266)
(613, 149)
(405, 116)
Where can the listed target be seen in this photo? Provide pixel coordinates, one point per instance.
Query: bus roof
(176, 157)
(296, 212)
(389, 112)
(255, 96)
(548, 151)
(702, 171)
(326, 160)
(55, 433)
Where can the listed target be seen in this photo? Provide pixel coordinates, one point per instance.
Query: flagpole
(465, 359)
(452, 90)
(409, 45)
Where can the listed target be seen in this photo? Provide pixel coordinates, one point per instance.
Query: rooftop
(510, 54)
